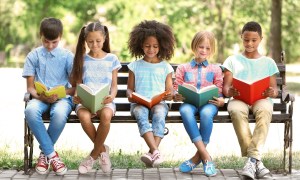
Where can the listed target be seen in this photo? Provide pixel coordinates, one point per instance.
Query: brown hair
(51, 28)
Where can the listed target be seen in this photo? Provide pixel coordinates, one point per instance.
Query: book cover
(148, 102)
(90, 99)
(251, 91)
(60, 91)
(195, 97)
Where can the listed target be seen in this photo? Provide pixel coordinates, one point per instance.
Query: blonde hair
(200, 37)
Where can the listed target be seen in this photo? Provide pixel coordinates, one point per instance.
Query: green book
(197, 97)
(92, 99)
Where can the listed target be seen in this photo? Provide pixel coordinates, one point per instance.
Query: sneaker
(104, 160)
(249, 169)
(209, 168)
(57, 165)
(42, 166)
(147, 159)
(187, 166)
(86, 165)
(157, 158)
(261, 170)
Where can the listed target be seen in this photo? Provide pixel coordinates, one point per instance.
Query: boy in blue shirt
(50, 65)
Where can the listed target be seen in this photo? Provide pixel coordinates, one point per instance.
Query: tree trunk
(275, 37)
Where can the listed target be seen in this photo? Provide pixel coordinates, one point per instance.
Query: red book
(251, 91)
(149, 102)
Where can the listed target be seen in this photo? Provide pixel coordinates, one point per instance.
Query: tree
(275, 36)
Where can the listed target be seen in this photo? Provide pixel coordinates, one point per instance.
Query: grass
(122, 160)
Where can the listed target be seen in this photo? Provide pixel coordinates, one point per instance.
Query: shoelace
(57, 162)
(249, 167)
(88, 162)
(104, 158)
(155, 156)
(190, 164)
(209, 166)
(43, 160)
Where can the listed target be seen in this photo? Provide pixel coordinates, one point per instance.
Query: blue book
(197, 97)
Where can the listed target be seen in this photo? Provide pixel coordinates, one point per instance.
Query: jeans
(158, 114)
(251, 143)
(206, 112)
(59, 112)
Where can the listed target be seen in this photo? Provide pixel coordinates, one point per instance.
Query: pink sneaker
(157, 158)
(42, 166)
(147, 159)
(104, 160)
(86, 165)
(57, 165)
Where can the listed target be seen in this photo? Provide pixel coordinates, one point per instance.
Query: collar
(194, 63)
(54, 52)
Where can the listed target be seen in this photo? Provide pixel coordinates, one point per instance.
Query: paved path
(133, 174)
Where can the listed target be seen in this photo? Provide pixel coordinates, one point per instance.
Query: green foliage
(20, 22)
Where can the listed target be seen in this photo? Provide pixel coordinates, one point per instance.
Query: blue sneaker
(187, 166)
(209, 168)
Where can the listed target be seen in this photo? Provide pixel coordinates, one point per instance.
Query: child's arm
(228, 90)
(272, 91)
(113, 89)
(169, 87)
(130, 86)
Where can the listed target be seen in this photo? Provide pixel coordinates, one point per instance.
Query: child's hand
(217, 101)
(178, 97)
(233, 92)
(108, 99)
(76, 100)
(48, 99)
(270, 92)
(168, 97)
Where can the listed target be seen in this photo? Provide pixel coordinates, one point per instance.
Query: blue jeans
(158, 115)
(206, 112)
(59, 112)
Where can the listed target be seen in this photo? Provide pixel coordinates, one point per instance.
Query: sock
(51, 155)
(253, 160)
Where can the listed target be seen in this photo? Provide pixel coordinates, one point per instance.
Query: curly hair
(145, 29)
(252, 26)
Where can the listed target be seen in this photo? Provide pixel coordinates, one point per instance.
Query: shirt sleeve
(179, 75)
(30, 64)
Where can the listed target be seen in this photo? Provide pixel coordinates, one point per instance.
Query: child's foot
(261, 170)
(157, 158)
(249, 169)
(57, 165)
(147, 159)
(187, 166)
(42, 166)
(86, 165)
(104, 160)
(209, 168)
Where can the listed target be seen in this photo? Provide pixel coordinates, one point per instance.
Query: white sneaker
(249, 169)
(147, 159)
(261, 170)
(157, 158)
(86, 165)
(104, 160)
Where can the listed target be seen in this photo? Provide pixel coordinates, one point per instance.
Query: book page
(87, 89)
(191, 87)
(207, 88)
(142, 97)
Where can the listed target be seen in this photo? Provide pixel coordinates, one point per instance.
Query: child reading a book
(50, 65)
(154, 43)
(95, 69)
(251, 65)
(200, 74)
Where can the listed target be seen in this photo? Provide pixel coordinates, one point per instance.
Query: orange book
(149, 102)
(251, 91)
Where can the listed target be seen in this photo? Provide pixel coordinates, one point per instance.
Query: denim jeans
(251, 143)
(206, 112)
(59, 112)
(158, 115)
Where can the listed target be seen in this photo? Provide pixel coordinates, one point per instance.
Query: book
(60, 91)
(90, 99)
(149, 102)
(198, 97)
(251, 91)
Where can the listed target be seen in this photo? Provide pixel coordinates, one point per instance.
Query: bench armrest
(27, 97)
(286, 96)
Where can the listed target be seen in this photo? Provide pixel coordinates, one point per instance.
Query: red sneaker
(57, 165)
(42, 166)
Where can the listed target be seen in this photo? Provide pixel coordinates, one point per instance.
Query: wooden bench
(283, 112)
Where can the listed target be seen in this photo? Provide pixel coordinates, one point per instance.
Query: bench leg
(288, 138)
(28, 148)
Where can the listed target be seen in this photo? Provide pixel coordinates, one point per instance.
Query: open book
(251, 91)
(92, 99)
(198, 97)
(60, 91)
(148, 102)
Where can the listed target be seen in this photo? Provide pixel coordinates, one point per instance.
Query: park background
(19, 22)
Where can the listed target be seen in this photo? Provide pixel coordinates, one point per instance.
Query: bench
(283, 112)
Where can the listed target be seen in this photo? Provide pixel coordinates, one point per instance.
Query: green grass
(122, 160)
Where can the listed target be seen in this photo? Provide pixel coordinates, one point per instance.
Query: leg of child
(84, 116)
